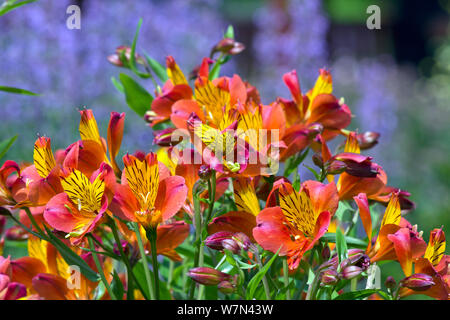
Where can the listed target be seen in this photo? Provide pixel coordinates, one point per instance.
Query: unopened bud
(121, 58)
(244, 242)
(326, 253)
(15, 291)
(228, 46)
(418, 282)
(390, 283)
(231, 245)
(207, 276)
(317, 159)
(214, 241)
(336, 167)
(16, 233)
(163, 138)
(329, 277)
(367, 139)
(2, 224)
(204, 172)
(351, 272)
(226, 287)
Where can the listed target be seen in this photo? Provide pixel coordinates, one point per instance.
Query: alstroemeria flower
(81, 206)
(87, 154)
(305, 112)
(11, 185)
(148, 194)
(396, 240)
(299, 222)
(433, 264)
(363, 176)
(42, 178)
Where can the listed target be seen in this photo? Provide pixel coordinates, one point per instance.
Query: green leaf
(138, 99)
(17, 91)
(5, 145)
(229, 33)
(71, 257)
(254, 282)
(133, 53)
(294, 162)
(341, 245)
(157, 68)
(117, 286)
(314, 172)
(354, 242)
(118, 85)
(11, 5)
(357, 295)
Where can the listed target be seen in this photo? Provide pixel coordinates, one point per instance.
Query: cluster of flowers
(215, 173)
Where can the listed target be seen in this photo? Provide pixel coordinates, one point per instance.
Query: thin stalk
(151, 236)
(286, 279)
(264, 279)
(144, 261)
(100, 270)
(33, 221)
(197, 242)
(131, 279)
(171, 268)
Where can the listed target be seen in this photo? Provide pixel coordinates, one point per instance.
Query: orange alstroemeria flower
(148, 194)
(81, 206)
(396, 240)
(307, 115)
(300, 220)
(434, 264)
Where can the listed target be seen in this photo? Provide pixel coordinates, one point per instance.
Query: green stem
(286, 279)
(151, 236)
(144, 261)
(264, 279)
(100, 269)
(131, 279)
(197, 242)
(33, 221)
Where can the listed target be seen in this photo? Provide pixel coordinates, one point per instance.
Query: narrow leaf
(138, 99)
(5, 145)
(17, 91)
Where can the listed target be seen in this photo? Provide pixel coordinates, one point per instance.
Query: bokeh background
(395, 80)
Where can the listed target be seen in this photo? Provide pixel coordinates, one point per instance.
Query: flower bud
(317, 159)
(228, 46)
(231, 245)
(204, 172)
(367, 139)
(207, 276)
(226, 287)
(326, 253)
(163, 138)
(121, 57)
(390, 283)
(418, 282)
(15, 291)
(336, 167)
(2, 224)
(244, 242)
(214, 241)
(329, 277)
(351, 272)
(16, 233)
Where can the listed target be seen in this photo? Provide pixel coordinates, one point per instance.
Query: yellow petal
(143, 179)
(212, 100)
(298, 209)
(245, 196)
(86, 196)
(392, 215)
(436, 247)
(43, 157)
(352, 144)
